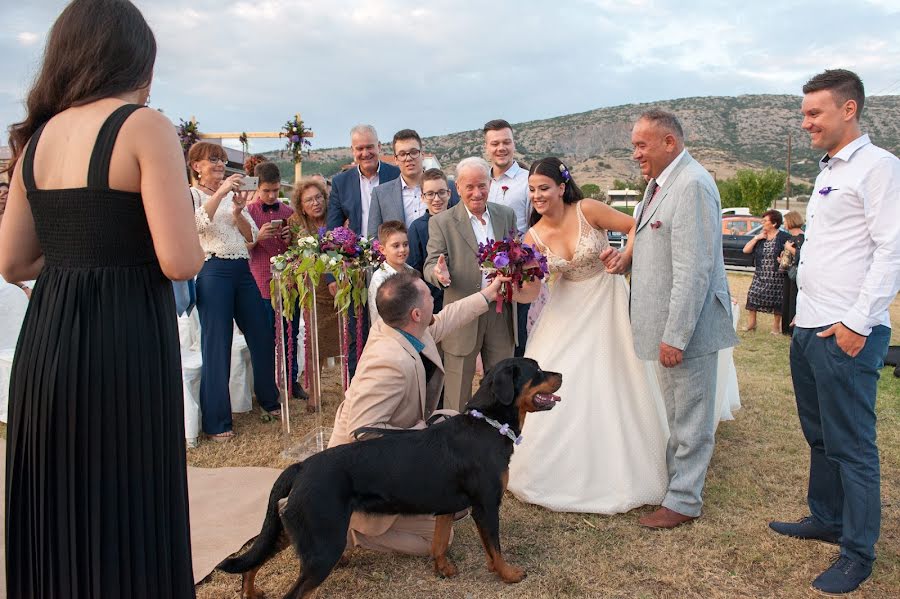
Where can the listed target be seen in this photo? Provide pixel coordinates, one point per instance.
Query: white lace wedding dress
(602, 449)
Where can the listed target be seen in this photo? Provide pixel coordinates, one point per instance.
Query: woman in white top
(226, 291)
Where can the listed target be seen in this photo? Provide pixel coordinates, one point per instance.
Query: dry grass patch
(758, 473)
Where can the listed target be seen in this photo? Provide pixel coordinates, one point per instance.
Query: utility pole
(788, 185)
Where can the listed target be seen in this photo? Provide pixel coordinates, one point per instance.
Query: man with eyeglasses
(349, 202)
(401, 198)
(435, 195)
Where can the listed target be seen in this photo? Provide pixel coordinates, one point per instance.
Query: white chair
(13, 305)
(191, 364)
(240, 385)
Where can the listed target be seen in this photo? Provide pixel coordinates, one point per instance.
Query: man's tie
(653, 188)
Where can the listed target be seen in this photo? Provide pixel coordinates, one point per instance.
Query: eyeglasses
(217, 160)
(411, 155)
(316, 199)
(443, 194)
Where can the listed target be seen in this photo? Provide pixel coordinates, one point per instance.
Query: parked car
(739, 225)
(733, 247)
(742, 211)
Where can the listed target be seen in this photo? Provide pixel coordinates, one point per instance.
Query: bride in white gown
(603, 448)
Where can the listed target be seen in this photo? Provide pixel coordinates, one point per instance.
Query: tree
(591, 190)
(754, 189)
(637, 183)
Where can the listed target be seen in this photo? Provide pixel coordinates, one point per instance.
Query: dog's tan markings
(248, 579)
(495, 562)
(443, 526)
(504, 480)
(248, 585)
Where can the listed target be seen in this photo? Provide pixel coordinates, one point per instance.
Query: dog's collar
(503, 429)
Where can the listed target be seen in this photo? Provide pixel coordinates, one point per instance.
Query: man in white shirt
(509, 187)
(452, 263)
(848, 275)
(401, 198)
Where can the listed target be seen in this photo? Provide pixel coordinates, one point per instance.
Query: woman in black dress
(99, 213)
(766, 288)
(793, 222)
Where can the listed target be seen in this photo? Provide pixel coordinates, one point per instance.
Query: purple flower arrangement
(512, 258)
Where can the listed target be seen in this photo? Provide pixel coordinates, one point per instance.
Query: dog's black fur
(448, 467)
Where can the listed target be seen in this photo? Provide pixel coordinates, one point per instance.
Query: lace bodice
(585, 263)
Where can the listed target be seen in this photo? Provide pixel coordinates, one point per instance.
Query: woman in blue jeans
(226, 291)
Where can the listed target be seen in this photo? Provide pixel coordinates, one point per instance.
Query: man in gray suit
(680, 304)
(452, 263)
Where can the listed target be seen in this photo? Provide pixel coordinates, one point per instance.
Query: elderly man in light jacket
(397, 386)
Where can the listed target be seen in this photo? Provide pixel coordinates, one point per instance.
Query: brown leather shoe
(665, 518)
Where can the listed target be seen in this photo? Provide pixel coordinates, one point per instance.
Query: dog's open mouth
(545, 401)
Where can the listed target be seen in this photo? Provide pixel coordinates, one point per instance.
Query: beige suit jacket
(389, 389)
(450, 233)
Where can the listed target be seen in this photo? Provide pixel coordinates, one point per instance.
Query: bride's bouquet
(512, 258)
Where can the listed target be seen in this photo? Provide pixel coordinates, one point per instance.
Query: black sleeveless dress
(96, 480)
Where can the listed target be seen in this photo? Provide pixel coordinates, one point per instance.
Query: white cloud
(27, 38)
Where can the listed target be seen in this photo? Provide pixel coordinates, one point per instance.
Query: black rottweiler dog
(459, 463)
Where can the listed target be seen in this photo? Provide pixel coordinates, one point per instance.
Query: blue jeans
(836, 404)
(227, 293)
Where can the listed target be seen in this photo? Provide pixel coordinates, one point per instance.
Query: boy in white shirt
(395, 247)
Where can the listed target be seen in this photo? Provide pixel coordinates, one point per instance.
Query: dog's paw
(445, 568)
(511, 574)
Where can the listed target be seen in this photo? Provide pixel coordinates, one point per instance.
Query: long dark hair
(96, 49)
(555, 169)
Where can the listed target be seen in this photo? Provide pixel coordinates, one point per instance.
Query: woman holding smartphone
(226, 290)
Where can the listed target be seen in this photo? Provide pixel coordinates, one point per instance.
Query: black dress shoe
(806, 528)
(298, 392)
(843, 576)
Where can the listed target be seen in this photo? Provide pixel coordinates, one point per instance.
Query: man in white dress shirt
(509, 187)
(848, 275)
(401, 198)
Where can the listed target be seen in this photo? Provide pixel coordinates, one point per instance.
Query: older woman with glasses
(226, 290)
(309, 203)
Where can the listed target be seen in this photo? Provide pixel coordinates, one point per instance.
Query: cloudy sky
(441, 66)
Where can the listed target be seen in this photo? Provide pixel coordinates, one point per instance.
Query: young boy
(436, 195)
(395, 247)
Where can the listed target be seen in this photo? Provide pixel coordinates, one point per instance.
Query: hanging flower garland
(188, 134)
(296, 135)
(342, 254)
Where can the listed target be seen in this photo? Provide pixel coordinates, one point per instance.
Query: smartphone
(278, 223)
(249, 184)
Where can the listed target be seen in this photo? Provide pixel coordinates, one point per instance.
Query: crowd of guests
(96, 485)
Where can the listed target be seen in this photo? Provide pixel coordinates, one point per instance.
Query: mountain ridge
(725, 133)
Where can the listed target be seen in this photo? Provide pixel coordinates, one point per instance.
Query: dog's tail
(266, 543)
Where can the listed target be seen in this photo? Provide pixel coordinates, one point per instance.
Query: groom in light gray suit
(680, 304)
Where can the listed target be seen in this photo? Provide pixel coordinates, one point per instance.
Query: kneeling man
(397, 385)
